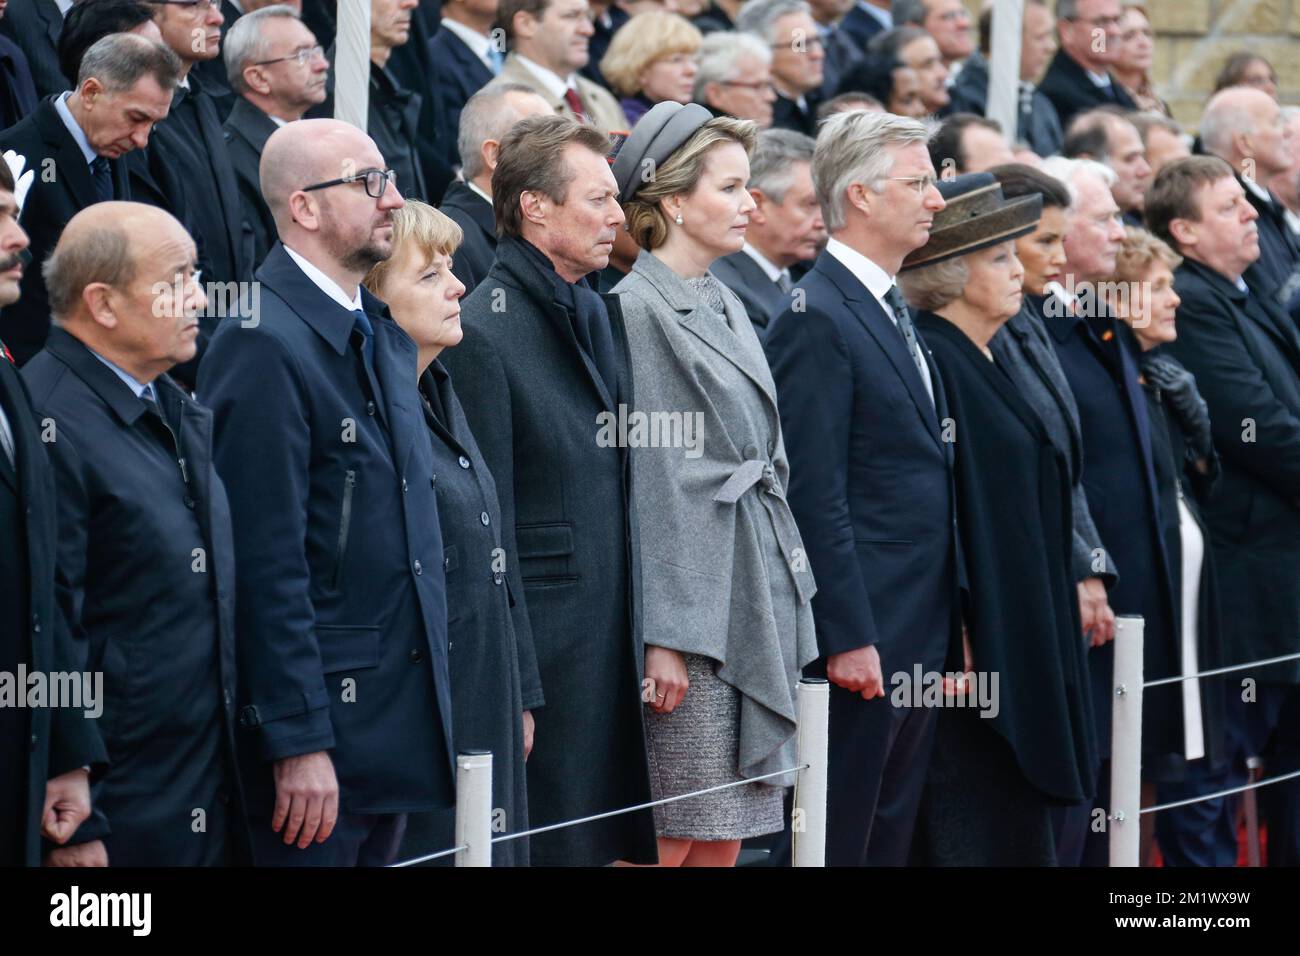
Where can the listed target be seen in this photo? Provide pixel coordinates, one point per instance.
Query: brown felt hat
(977, 216)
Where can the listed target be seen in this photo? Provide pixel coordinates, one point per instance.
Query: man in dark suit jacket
(856, 388)
(1079, 77)
(534, 377)
(77, 154)
(35, 27)
(345, 697)
(46, 751)
(864, 20)
(17, 89)
(278, 89)
(212, 73)
(798, 67)
(785, 227)
(144, 539)
(1099, 360)
(191, 139)
(467, 59)
(1245, 354)
(487, 117)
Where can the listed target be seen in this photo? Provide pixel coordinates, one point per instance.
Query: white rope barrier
(1223, 670)
(1295, 774)
(430, 856)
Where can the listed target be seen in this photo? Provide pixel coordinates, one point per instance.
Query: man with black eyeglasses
(279, 72)
(1079, 77)
(341, 601)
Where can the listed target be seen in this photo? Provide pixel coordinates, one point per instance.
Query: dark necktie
(103, 176)
(575, 103)
(894, 299)
(365, 329)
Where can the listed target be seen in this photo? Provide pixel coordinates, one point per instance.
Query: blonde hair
(641, 41)
(418, 224)
(1139, 251)
(933, 287)
(679, 175)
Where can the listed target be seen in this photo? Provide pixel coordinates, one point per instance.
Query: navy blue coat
(1067, 85)
(342, 600)
(146, 554)
(1099, 358)
(459, 74)
(860, 26)
(17, 91)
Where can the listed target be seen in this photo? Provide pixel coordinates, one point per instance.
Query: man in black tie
(1079, 77)
(1245, 354)
(144, 539)
(45, 751)
(75, 143)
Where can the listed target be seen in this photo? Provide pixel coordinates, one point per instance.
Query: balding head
(1244, 126)
(338, 228)
(121, 279)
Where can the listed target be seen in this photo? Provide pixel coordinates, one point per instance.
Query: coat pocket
(545, 553)
(345, 524)
(347, 648)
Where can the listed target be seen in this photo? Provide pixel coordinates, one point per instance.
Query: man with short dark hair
(1162, 138)
(144, 539)
(1106, 135)
(278, 72)
(545, 355)
(785, 227)
(1079, 77)
(966, 143)
(1245, 354)
(125, 88)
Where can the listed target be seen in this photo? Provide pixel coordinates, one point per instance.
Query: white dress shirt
(770, 269)
(478, 44)
(878, 282)
(555, 84)
(327, 285)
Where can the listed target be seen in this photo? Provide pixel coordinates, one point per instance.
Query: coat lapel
(69, 162)
(395, 365)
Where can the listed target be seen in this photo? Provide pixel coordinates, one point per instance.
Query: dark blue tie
(103, 176)
(363, 327)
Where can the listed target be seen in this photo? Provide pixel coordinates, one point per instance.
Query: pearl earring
(678, 220)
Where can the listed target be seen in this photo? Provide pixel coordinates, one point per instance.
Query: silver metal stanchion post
(474, 808)
(808, 821)
(1124, 825)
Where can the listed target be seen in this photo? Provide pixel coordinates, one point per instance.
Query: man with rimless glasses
(341, 602)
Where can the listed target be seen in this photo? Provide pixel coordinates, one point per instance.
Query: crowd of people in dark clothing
(637, 360)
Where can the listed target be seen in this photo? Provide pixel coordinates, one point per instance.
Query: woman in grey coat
(494, 679)
(1024, 350)
(727, 616)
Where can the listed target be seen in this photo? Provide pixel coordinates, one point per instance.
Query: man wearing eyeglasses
(341, 600)
(798, 59)
(278, 71)
(1079, 77)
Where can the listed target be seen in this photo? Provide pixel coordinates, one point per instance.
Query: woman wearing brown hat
(1015, 737)
(726, 592)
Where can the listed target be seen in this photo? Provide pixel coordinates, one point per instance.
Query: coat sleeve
(814, 376)
(261, 449)
(1239, 396)
(484, 394)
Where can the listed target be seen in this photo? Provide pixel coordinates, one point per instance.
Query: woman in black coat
(494, 677)
(1021, 741)
(1186, 469)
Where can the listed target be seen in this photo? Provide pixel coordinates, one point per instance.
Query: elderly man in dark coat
(144, 539)
(45, 750)
(543, 360)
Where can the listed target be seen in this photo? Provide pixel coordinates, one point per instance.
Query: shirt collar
(78, 135)
(64, 6)
(1098, 79)
(138, 389)
(478, 44)
(478, 192)
(876, 279)
(1241, 284)
(554, 83)
(770, 269)
(327, 285)
(1259, 191)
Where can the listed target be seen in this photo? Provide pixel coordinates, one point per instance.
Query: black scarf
(587, 315)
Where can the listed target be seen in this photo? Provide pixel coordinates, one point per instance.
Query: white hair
(1068, 171)
(852, 147)
(244, 42)
(1221, 121)
(721, 53)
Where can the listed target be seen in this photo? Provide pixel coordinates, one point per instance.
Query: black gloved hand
(1178, 390)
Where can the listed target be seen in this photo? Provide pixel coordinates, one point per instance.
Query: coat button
(751, 452)
(403, 486)
(498, 578)
(464, 462)
(370, 408)
(34, 741)
(36, 623)
(225, 695)
(189, 502)
(416, 656)
(446, 564)
(485, 519)
(418, 567)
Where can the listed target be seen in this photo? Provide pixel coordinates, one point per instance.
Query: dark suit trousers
(359, 839)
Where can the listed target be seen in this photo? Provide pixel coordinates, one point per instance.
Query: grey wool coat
(714, 521)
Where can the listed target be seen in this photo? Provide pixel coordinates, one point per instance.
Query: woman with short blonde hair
(652, 59)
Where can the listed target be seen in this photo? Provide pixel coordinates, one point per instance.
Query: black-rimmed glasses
(376, 181)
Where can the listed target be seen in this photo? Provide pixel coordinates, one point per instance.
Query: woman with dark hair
(896, 86)
(1245, 68)
(1016, 738)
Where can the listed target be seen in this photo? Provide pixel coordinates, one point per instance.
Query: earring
(678, 220)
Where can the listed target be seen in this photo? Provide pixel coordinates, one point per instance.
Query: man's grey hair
(1067, 9)
(119, 60)
(760, 16)
(245, 43)
(854, 147)
(1069, 171)
(102, 255)
(486, 115)
(772, 168)
(1220, 122)
(719, 56)
(907, 11)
